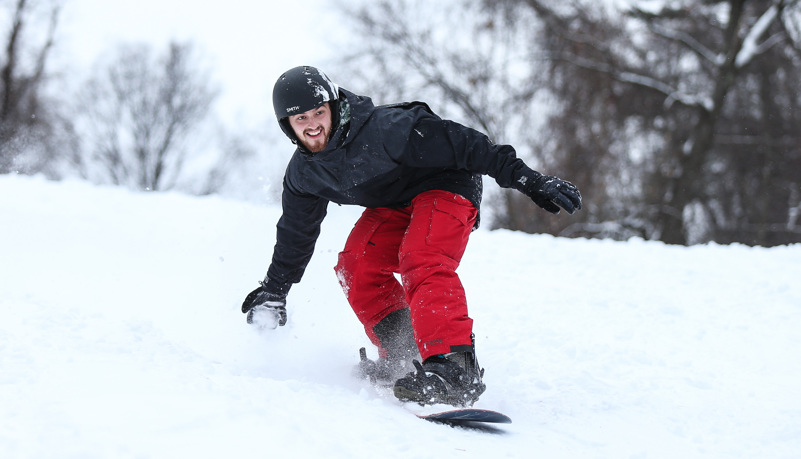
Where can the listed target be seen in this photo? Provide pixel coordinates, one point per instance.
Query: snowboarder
(420, 179)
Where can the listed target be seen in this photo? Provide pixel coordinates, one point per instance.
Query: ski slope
(121, 336)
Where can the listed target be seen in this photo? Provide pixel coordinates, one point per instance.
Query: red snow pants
(424, 243)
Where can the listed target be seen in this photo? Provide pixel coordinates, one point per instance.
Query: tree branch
(751, 47)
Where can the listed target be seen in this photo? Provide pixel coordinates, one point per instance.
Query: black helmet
(301, 89)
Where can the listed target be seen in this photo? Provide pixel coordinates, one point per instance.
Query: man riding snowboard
(420, 179)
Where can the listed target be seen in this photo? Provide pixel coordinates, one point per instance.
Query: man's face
(313, 127)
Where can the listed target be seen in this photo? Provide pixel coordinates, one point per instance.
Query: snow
(121, 336)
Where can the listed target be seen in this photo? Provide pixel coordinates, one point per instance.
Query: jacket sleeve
(435, 142)
(296, 235)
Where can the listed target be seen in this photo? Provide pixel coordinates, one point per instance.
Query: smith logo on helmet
(293, 109)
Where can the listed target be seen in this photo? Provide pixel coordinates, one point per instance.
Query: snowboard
(467, 416)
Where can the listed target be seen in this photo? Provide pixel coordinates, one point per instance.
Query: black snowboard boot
(396, 336)
(453, 379)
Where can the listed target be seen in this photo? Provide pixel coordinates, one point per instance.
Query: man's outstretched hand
(550, 192)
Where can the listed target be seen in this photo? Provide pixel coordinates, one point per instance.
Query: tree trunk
(687, 185)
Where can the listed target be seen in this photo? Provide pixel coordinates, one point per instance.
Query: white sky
(248, 43)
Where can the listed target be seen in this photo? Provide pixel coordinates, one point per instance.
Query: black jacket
(380, 157)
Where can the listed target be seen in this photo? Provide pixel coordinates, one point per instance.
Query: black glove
(266, 306)
(550, 192)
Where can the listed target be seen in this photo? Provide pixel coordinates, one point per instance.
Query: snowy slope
(121, 336)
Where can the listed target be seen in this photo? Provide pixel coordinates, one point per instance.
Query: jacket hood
(359, 108)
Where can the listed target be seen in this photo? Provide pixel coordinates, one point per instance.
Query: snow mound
(121, 336)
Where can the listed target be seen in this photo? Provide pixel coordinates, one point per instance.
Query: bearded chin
(316, 148)
(318, 145)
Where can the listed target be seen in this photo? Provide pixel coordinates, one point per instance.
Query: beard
(318, 143)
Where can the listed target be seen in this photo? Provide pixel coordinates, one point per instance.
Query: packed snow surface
(121, 336)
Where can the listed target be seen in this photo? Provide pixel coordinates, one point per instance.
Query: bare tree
(678, 122)
(472, 64)
(139, 113)
(701, 76)
(473, 73)
(27, 121)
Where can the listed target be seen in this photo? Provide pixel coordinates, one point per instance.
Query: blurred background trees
(143, 118)
(709, 89)
(678, 120)
(32, 127)
(138, 114)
